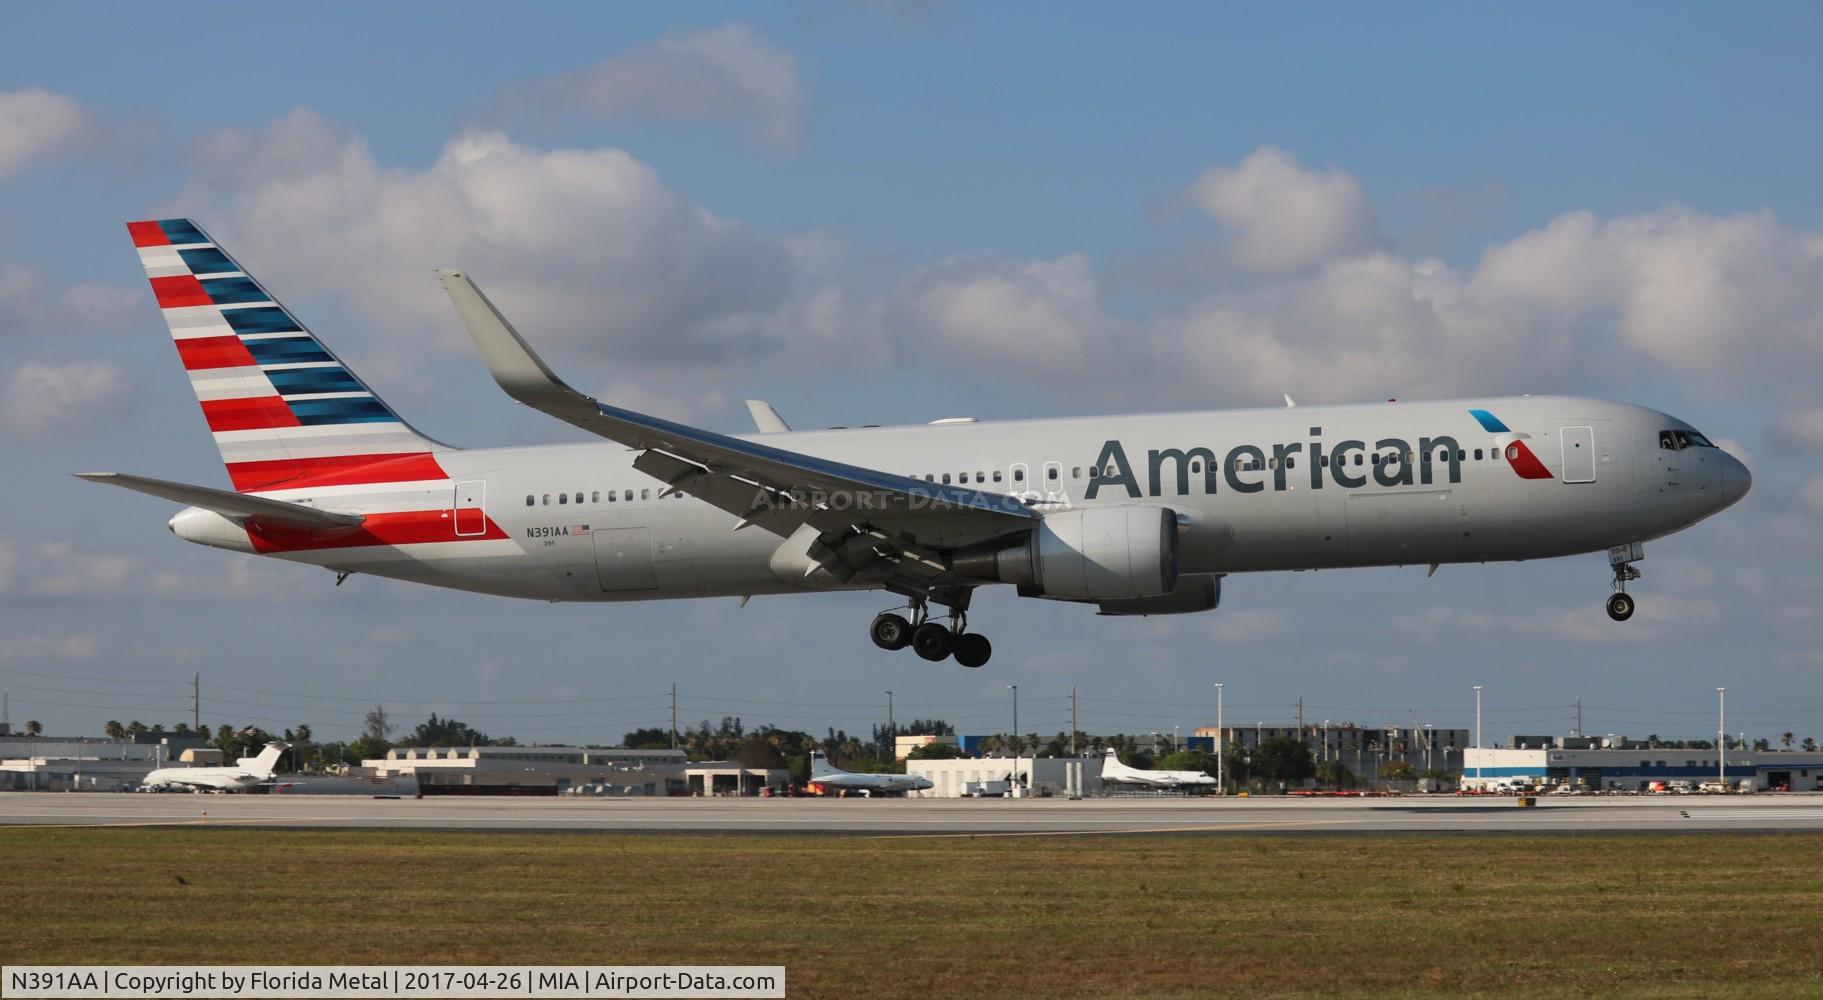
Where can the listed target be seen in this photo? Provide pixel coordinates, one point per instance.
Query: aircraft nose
(1736, 480)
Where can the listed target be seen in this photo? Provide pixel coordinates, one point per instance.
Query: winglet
(1290, 404)
(520, 371)
(766, 418)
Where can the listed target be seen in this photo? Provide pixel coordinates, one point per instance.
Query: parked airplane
(247, 773)
(1115, 773)
(821, 773)
(1136, 515)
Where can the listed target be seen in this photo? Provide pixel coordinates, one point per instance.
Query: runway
(923, 817)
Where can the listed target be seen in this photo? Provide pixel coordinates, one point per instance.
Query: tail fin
(268, 759)
(819, 765)
(285, 412)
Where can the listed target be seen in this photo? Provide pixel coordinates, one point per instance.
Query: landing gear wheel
(932, 641)
(1620, 607)
(973, 649)
(890, 631)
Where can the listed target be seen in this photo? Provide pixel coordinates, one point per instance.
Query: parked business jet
(1113, 772)
(1135, 515)
(821, 773)
(247, 773)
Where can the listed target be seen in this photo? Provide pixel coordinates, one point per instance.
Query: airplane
(821, 773)
(1115, 773)
(1132, 514)
(247, 773)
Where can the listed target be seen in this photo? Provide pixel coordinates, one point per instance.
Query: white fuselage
(1290, 489)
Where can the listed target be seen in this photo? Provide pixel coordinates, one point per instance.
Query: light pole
(1015, 689)
(1721, 736)
(1326, 740)
(892, 732)
(1478, 738)
(1430, 741)
(1221, 778)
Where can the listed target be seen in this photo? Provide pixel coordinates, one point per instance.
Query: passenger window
(1076, 472)
(1051, 473)
(1513, 451)
(1290, 462)
(929, 478)
(1196, 466)
(595, 497)
(979, 478)
(1325, 461)
(1018, 475)
(1273, 462)
(996, 475)
(547, 499)
(1477, 454)
(563, 498)
(528, 499)
(645, 494)
(611, 497)
(627, 495)
(946, 479)
(1462, 454)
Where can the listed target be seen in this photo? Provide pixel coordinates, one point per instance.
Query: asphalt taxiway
(924, 817)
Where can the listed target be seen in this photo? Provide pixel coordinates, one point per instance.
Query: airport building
(994, 776)
(80, 763)
(570, 770)
(1364, 750)
(904, 745)
(1617, 764)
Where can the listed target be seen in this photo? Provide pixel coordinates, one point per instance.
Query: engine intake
(1099, 553)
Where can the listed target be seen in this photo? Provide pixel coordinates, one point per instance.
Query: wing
(850, 520)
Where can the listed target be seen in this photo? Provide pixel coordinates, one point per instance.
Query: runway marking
(1816, 814)
(1208, 828)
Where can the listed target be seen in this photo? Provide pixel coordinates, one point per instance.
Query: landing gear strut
(930, 639)
(1621, 558)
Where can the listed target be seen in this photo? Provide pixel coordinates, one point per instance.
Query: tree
(1398, 770)
(1188, 760)
(1810, 744)
(378, 725)
(367, 748)
(114, 730)
(1335, 774)
(652, 738)
(1786, 739)
(757, 751)
(935, 751)
(135, 728)
(1284, 759)
(1762, 745)
(34, 728)
(436, 732)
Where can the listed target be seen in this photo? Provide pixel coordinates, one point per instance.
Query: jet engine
(1095, 554)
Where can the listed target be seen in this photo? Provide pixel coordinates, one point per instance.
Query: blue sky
(907, 212)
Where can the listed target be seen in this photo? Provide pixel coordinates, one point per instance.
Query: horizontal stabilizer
(238, 506)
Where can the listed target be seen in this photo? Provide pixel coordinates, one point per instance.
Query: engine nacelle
(1193, 594)
(1094, 554)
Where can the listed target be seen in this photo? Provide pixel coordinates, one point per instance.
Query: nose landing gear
(932, 640)
(1621, 558)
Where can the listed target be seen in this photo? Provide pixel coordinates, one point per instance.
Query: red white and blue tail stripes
(285, 412)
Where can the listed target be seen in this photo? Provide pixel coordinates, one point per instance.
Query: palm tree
(1810, 744)
(115, 730)
(1786, 739)
(34, 728)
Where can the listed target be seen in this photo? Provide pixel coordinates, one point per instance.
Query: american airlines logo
(1247, 468)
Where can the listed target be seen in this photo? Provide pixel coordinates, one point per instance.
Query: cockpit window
(1679, 440)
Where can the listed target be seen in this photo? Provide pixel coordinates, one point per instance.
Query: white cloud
(1812, 495)
(1246, 625)
(1043, 318)
(1284, 217)
(34, 122)
(584, 246)
(40, 399)
(60, 570)
(729, 73)
(31, 306)
(1797, 430)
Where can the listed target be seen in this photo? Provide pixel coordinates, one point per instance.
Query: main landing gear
(1621, 558)
(931, 640)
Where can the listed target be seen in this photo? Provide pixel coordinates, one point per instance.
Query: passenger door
(1578, 454)
(470, 508)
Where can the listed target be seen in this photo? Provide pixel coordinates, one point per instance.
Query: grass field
(1693, 915)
